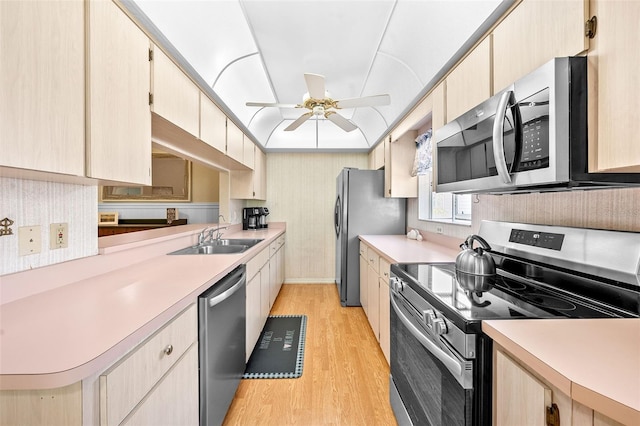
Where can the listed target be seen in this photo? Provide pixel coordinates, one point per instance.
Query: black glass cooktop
(468, 299)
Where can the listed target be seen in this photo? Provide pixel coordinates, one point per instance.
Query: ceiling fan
(319, 103)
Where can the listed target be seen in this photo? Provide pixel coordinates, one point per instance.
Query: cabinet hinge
(150, 55)
(590, 27)
(553, 415)
(150, 98)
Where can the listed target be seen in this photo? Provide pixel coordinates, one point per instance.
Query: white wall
(30, 203)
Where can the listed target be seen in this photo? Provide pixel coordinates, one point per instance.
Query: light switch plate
(29, 240)
(58, 235)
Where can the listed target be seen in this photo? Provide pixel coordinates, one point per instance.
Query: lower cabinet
(157, 380)
(374, 295)
(522, 398)
(265, 274)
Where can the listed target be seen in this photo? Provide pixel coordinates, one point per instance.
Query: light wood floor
(345, 379)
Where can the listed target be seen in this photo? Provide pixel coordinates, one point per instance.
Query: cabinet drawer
(373, 258)
(363, 250)
(125, 384)
(385, 270)
(275, 245)
(257, 262)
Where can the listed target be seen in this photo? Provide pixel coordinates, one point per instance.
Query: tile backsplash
(39, 203)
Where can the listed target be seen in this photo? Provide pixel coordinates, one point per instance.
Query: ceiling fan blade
(375, 100)
(271, 104)
(315, 85)
(340, 121)
(304, 117)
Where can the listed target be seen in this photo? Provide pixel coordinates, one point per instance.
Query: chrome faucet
(201, 236)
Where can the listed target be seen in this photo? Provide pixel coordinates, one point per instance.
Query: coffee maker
(254, 218)
(262, 217)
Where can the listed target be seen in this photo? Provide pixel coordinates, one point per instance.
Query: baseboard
(310, 281)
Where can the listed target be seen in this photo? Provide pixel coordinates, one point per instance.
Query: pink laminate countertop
(400, 249)
(594, 361)
(70, 331)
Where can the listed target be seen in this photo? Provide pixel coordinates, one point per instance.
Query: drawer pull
(168, 350)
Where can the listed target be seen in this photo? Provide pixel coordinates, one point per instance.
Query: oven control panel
(545, 240)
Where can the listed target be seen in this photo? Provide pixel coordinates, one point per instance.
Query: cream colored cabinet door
(385, 319)
(42, 85)
(274, 288)
(470, 82)
(213, 124)
(254, 326)
(265, 306)
(118, 113)
(534, 33)
(373, 300)
(614, 86)
(251, 185)
(175, 97)
(399, 157)
(520, 399)
(248, 156)
(260, 175)
(280, 271)
(364, 283)
(235, 137)
(175, 400)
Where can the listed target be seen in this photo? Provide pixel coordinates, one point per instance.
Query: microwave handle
(498, 137)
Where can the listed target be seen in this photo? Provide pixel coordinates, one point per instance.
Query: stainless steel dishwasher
(221, 339)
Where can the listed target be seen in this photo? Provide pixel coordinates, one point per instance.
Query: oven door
(433, 384)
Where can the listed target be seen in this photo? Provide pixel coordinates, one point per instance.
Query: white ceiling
(258, 50)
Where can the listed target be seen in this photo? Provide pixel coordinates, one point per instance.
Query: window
(443, 206)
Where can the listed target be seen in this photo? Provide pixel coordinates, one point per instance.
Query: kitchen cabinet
(364, 266)
(42, 81)
(175, 97)
(374, 295)
(534, 33)
(248, 155)
(158, 379)
(213, 124)
(469, 83)
(257, 302)
(385, 306)
(118, 112)
(521, 397)
(399, 157)
(376, 156)
(251, 185)
(613, 61)
(235, 138)
(276, 264)
(59, 406)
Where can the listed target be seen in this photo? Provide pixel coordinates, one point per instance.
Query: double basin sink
(221, 246)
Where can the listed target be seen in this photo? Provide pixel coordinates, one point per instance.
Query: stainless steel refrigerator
(361, 209)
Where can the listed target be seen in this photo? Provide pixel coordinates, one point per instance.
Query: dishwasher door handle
(227, 293)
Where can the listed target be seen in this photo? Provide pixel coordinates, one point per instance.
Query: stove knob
(429, 317)
(439, 326)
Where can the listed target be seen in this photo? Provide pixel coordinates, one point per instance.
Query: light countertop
(90, 312)
(594, 361)
(400, 249)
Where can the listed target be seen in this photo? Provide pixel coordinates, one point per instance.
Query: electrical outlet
(29, 240)
(58, 235)
(439, 229)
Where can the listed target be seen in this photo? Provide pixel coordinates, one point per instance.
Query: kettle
(475, 261)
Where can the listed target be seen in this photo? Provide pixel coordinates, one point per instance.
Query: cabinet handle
(553, 415)
(168, 350)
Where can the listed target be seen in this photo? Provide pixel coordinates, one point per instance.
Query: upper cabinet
(534, 33)
(469, 83)
(376, 157)
(118, 114)
(235, 137)
(399, 156)
(213, 124)
(175, 97)
(42, 74)
(613, 61)
(251, 185)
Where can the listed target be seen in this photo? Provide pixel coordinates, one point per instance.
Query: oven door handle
(452, 364)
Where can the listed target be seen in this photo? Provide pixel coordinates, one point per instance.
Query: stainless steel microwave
(530, 137)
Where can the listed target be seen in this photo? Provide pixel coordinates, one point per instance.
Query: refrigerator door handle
(337, 216)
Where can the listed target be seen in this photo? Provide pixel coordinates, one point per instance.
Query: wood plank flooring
(345, 379)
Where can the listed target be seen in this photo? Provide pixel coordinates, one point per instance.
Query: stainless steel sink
(222, 246)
